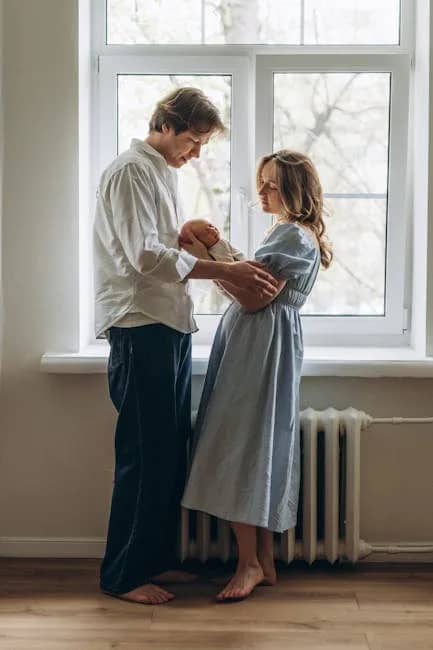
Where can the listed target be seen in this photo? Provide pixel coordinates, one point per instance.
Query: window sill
(318, 361)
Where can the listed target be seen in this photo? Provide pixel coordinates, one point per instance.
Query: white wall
(56, 431)
(1, 176)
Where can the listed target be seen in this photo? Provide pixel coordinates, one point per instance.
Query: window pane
(153, 21)
(352, 22)
(292, 22)
(204, 184)
(354, 284)
(252, 22)
(341, 120)
(203, 21)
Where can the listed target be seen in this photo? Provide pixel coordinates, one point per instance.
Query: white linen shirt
(138, 267)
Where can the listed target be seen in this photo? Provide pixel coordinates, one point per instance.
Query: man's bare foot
(146, 595)
(242, 584)
(175, 577)
(269, 572)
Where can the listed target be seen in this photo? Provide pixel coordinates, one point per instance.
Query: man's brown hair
(186, 108)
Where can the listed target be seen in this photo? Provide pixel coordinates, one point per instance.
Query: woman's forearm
(217, 271)
(249, 301)
(245, 298)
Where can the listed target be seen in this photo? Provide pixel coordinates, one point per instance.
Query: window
(342, 120)
(331, 79)
(282, 22)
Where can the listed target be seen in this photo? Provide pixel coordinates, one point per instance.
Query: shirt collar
(143, 147)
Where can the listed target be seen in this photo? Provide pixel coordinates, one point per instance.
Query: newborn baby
(219, 249)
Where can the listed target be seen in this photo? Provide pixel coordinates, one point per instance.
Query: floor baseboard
(73, 547)
(93, 547)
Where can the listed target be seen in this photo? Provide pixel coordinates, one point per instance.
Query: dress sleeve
(288, 252)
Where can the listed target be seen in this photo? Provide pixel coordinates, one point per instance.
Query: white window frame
(252, 68)
(351, 328)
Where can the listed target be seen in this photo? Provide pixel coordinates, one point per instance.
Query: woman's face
(268, 191)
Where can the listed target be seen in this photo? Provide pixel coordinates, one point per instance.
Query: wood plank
(410, 639)
(192, 640)
(56, 605)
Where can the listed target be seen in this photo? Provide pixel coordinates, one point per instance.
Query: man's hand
(194, 246)
(252, 277)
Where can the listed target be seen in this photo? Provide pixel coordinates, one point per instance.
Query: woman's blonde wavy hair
(301, 194)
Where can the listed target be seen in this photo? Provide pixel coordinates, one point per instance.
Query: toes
(227, 594)
(161, 595)
(223, 595)
(149, 595)
(146, 600)
(161, 592)
(154, 599)
(234, 592)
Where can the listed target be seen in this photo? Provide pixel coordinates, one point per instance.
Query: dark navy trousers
(149, 377)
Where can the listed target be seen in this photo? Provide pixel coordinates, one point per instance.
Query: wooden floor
(56, 605)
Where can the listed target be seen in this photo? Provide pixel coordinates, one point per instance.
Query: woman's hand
(194, 246)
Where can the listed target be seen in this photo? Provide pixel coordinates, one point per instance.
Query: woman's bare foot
(175, 577)
(146, 595)
(242, 584)
(269, 572)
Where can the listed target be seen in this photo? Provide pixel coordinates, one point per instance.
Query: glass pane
(354, 284)
(252, 21)
(204, 184)
(352, 22)
(292, 22)
(203, 21)
(153, 21)
(342, 121)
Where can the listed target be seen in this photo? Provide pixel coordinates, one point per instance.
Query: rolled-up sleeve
(135, 219)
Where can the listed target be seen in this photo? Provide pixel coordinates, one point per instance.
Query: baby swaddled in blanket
(218, 248)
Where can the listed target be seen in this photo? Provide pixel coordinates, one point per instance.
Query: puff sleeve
(288, 252)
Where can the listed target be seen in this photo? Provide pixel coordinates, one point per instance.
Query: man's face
(179, 149)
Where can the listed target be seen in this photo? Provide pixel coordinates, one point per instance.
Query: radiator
(329, 500)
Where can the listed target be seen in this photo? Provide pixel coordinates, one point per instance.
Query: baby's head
(205, 231)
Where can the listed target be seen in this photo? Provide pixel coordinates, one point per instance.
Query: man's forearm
(219, 272)
(244, 275)
(209, 270)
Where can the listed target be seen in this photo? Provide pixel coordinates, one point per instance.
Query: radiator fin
(329, 506)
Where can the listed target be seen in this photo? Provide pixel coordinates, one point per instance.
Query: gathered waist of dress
(290, 298)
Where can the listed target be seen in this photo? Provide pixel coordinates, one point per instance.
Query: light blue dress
(246, 457)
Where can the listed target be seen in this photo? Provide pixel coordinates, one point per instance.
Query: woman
(246, 464)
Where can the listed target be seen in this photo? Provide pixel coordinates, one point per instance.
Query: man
(143, 305)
